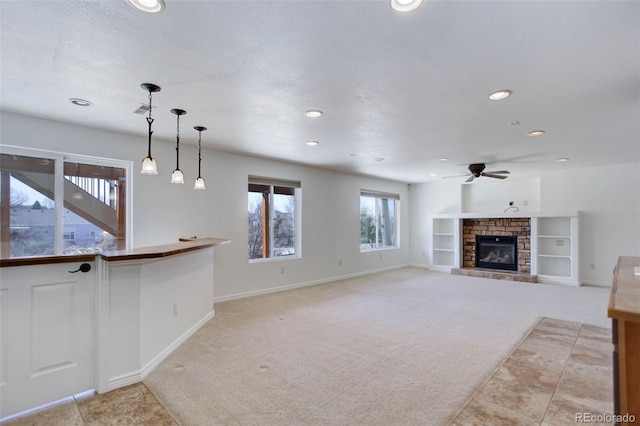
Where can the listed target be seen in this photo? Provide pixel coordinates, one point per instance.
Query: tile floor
(559, 370)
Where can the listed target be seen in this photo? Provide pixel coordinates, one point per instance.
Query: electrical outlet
(340, 262)
(560, 243)
(592, 265)
(282, 270)
(175, 309)
(525, 203)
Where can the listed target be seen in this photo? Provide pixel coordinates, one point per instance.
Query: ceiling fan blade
(491, 175)
(472, 177)
(447, 177)
(499, 172)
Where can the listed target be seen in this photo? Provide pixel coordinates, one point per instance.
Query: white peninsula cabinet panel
(46, 334)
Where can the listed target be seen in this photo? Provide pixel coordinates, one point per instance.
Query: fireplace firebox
(497, 252)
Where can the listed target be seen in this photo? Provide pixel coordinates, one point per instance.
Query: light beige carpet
(404, 347)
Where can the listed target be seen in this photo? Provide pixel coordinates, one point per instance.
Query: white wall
(491, 195)
(607, 197)
(164, 212)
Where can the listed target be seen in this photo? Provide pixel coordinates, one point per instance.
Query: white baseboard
(303, 284)
(419, 265)
(138, 376)
(545, 279)
(597, 283)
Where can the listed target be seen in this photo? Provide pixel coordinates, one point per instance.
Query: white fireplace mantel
(519, 214)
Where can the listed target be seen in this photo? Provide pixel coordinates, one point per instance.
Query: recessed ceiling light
(150, 6)
(80, 102)
(379, 159)
(500, 94)
(443, 159)
(405, 5)
(312, 143)
(562, 159)
(535, 133)
(313, 113)
(433, 174)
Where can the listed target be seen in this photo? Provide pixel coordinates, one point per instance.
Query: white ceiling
(407, 87)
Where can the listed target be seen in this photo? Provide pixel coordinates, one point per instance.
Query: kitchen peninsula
(70, 324)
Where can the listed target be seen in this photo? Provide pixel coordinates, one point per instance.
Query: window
(378, 220)
(273, 220)
(50, 201)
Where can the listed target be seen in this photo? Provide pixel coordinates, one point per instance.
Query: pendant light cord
(150, 121)
(199, 151)
(178, 142)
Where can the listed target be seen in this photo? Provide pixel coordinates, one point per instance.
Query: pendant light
(199, 180)
(177, 176)
(149, 166)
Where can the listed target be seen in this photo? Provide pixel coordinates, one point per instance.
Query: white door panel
(46, 334)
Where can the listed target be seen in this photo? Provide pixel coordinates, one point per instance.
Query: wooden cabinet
(624, 311)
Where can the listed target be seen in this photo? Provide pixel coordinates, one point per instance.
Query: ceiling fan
(477, 170)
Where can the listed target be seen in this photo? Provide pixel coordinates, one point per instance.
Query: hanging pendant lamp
(177, 176)
(149, 166)
(199, 180)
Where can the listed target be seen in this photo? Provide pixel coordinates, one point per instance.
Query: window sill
(275, 259)
(379, 249)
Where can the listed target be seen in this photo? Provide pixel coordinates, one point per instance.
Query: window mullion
(271, 220)
(58, 203)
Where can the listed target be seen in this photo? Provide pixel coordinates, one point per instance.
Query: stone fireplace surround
(508, 226)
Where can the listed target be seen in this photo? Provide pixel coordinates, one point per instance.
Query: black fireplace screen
(497, 252)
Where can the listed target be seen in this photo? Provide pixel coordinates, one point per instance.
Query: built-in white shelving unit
(554, 243)
(445, 244)
(556, 249)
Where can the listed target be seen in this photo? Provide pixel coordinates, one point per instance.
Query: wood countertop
(153, 252)
(165, 250)
(624, 300)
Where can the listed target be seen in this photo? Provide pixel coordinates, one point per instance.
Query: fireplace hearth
(497, 252)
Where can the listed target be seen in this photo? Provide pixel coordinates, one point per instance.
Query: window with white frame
(378, 220)
(272, 218)
(50, 202)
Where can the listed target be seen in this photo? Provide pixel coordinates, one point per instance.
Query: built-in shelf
(556, 248)
(445, 244)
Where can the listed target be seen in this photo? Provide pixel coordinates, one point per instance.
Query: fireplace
(497, 252)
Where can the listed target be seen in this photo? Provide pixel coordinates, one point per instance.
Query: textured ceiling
(410, 88)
